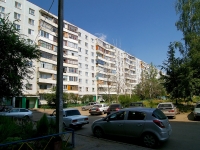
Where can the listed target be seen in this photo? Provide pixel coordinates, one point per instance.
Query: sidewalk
(91, 143)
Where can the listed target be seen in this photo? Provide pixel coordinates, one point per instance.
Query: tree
(16, 56)
(183, 73)
(150, 85)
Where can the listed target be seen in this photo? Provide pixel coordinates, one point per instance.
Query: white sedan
(71, 118)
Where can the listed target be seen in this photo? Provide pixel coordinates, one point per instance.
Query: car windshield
(136, 104)
(165, 105)
(14, 110)
(72, 112)
(198, 106)
(97, 106)
(159, 114)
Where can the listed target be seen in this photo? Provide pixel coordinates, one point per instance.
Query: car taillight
(116, 109)
(74, 121)
(159, 123)
(86, 119)
(171, 110)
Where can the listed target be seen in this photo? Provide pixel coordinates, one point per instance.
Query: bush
(42, 126)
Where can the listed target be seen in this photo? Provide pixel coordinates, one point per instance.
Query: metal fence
(48, 142)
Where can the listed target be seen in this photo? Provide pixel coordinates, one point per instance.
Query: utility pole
(59, 86)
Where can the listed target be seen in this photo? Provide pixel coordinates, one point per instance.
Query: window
(30, 31)
(92, 40)
(93, 75)
(92, 82)
(117, 116)
(3, 0)
(86, 66)
(17, 26)
(92, 47)
(86, 44)
(18, 5)
(92, 53)
(44, 34)
(31, 11)
(92, 60)
(86, 37)
(79, 49)
(80, 65)
(92, 67)
(29, 86)
(79, 41)
(86, 73)
(80, 89)
(86, 89)
(86, 51)
(2, 9)
(17, 16)
(92, 89)
(72, 78)
(86, 58)
(80, 80)
(31, 21)
(80, 73)
(79, 34)
(132, 115)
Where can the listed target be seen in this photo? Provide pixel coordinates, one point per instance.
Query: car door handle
(139, 124)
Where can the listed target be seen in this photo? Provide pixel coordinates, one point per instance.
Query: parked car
(196, 111)
(18, 112)
(72, 118)
(98, 109)
(136, 104)
(113, 108)
(148, 124)
(89, 105)
(168, 108)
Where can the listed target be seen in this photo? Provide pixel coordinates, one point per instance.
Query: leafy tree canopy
(16, 55)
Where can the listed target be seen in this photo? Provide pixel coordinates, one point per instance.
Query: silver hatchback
(149, 124)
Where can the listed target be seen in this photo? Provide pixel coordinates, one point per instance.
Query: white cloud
(101, 36)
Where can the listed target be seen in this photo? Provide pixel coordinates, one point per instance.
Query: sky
(142, 28)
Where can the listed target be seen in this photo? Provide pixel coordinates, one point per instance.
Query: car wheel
(149, 140)
(98, 132)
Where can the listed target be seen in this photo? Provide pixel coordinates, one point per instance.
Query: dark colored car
(113, 108)
(137, 104)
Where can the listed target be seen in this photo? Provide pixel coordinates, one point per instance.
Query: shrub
(42, 127)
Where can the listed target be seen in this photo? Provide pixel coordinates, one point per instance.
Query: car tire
(149, 140)
(98, 132)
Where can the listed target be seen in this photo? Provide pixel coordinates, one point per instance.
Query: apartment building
(91, 66)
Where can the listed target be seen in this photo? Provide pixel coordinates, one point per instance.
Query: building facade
(91, 66)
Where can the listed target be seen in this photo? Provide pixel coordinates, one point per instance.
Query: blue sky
(143, 28)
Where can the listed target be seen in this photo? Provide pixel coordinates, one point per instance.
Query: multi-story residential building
(91, 66)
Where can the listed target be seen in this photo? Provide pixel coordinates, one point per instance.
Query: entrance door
(27, 103)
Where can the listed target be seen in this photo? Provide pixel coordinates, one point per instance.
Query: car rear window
(72, 112)
(115, 106)
(159, 114)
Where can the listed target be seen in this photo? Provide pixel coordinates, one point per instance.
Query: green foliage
(18, 55)
(87, 98)
(42, 127)
(8, 128)
(150, 86)
(125, 100)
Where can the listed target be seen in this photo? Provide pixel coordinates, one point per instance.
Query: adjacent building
(91, 66)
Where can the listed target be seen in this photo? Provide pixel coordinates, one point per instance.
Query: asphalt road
(185, 134)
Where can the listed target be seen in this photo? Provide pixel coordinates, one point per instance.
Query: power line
(44, 20)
